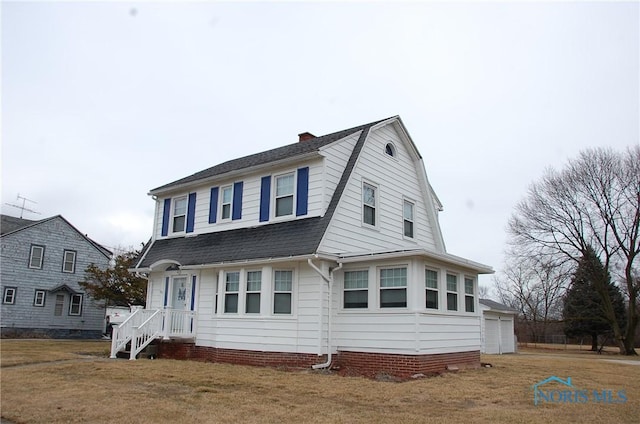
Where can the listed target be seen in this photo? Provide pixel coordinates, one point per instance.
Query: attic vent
(305, 136)
(390, 149)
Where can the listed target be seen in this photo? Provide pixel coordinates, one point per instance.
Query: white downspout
(329, 281)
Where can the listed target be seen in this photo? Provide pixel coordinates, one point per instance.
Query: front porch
(146, 325)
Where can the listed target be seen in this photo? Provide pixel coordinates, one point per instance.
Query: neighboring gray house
(42, 263)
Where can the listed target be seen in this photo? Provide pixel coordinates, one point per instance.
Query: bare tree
(594, 201)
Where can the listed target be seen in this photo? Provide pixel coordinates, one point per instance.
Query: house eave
(234, 173)
(399, 254)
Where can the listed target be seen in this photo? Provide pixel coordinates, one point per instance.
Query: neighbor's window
(69, 261)
(36, 256)
(227, 199)
(282, 291)
(408, 218)
(254, 285)
(431, 284)
(75, 306)
(369, 204)
(57, 311)
(469, 300)
(179, 214)
(452, 292)
(232, 287)
(284, 195)
(39, 297)
(9, 295)
(356, 289)
(393, 288)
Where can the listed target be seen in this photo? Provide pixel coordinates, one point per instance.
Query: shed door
(491, 336)
(506, 336)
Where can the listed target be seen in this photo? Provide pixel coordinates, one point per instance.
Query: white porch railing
(145, 325)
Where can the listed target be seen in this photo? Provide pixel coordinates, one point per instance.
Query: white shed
(497, 327)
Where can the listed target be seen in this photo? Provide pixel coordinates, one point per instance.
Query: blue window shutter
(165, 217)
(265, 198)
(237, 200)
(302, 192)
(191, 212)
(213, 205)
(193, 292)
(166, 291)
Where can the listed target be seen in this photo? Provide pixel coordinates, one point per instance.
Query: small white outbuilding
(497, 328)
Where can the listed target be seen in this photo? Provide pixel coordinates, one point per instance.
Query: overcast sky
(102, 102)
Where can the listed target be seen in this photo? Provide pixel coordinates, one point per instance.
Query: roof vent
(305, 136)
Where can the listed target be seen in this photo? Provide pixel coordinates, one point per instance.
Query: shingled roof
(9, 224)
(278, 240)
(269, 156)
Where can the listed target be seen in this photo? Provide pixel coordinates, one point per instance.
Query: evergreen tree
(116, 285)
(584, 304)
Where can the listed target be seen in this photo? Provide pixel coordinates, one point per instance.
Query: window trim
(228, 292)
(293, 195)
(450, 274)
(435, 289)
(357, 289)
(222, 202)
(5, 293)
(79, 304)
(252, 292)
(31, 250)
(468, 295)
(376, 190)
(174, 215)
(405, 219)
(275, 292)
(73, 263)
(35, 298)
(392, 148)
(405, 287)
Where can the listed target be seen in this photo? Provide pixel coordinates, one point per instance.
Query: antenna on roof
(23, 208)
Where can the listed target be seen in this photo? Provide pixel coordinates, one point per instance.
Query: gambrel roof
(278, 240)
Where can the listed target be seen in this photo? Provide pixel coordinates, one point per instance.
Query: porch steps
(149, 352)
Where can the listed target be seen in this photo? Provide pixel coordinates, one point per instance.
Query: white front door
(178, 304)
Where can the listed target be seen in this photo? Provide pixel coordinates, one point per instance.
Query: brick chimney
(305, 136)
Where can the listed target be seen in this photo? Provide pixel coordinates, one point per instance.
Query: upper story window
(284, 195)
(369, 204)
(282, 292)
(431, 285)
(469, 300)
(227, 199)
(356, 289)
(36, 256)
(231, 291)
(407, 212)
(393, 288)
(452, 292)
(179, 214)
(69, 261)
(390, 149)
(254, 285)
(75, 306)
(9, 295)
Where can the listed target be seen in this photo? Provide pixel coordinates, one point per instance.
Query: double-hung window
(282, 292)
(179, 214)
(9, 295)
(254, 285)
(431, 286)
(452, 292)
(227, 201)
(232, 287)
(69, 261)
(39, 298)
(59, 305)
(469, 300)
(356, 289)
(369, 199)
(284, 195)
(407, 212)
(36, 256)
(75, 306)
(393, 288)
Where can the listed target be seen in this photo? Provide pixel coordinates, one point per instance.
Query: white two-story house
(323, 253)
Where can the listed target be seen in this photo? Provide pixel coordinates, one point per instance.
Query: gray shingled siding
(56, 235)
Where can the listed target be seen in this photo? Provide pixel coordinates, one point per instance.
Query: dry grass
(100, 390)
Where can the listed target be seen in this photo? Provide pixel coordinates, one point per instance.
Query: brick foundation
(348, 363)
